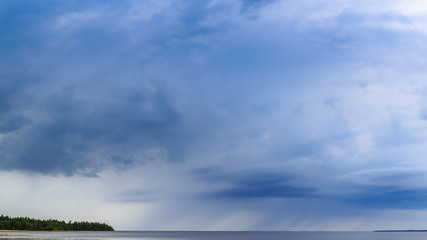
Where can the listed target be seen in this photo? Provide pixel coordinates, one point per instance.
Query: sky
(215, 114)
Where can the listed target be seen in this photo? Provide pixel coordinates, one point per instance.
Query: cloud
(11, 107)
(265, 189)
(254, 184)
(79, 119)
(389, 197)
(251, 5)
(136, 195)
(401, 177)
(394, 188)
(276, 104)
(66, 140)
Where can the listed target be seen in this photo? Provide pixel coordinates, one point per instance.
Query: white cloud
(75, 19)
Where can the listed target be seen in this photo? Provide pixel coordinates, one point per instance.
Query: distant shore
(40, 231)
(400, 231)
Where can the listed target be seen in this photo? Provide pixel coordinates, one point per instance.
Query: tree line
(31, 224)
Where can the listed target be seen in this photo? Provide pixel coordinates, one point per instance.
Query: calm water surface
(214, 235)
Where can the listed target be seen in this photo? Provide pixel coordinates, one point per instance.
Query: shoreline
(48, 231)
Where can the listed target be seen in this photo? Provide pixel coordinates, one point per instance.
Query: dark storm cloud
(265, 188)
(75, 129)
(388, 197)
(386, 189)
(64, 142)
(10, 107)
(11, 122)
(93, 93)
(255, 184)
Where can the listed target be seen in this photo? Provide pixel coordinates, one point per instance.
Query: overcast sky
(215, 114)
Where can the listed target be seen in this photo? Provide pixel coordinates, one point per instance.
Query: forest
(31, 224)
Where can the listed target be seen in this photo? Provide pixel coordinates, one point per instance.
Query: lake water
(171, 235)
